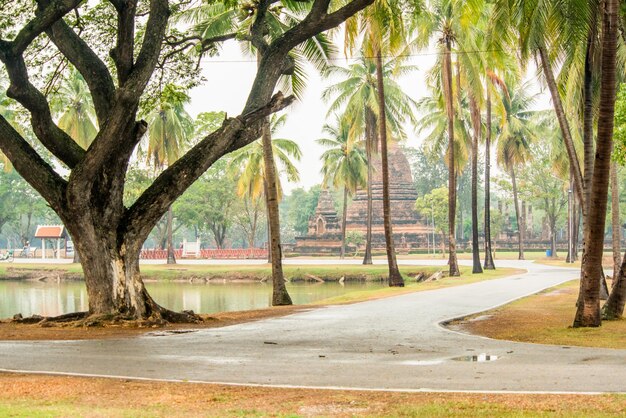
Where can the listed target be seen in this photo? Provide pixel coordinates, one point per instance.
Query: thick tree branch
(44, 19)
(150, 50)
(271, 66)
(234, 133)
(31, 166)
(51, 136)
(123, 53)
(93, 70)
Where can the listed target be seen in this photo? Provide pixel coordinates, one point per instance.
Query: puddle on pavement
(479, 358)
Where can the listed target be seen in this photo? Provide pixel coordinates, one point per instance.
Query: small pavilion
(51, 232)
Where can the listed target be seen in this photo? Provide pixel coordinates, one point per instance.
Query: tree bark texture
(370, 135)
(280, 296)
(518, 216)
(588, 310)
(395, 278)
(489, 264)
(476, 122)
(449, 98)
(171, 257)
(615, 222)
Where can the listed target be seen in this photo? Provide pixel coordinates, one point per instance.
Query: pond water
(51, 299)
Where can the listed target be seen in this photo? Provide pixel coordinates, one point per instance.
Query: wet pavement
(393, 344)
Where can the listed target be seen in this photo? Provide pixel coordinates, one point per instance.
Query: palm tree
(514, 141)
(77, 114)
(442, 18)
(588, 312)
(345, 165)
(169, 131)
(357, 97)
(217, 22)
(383, 30)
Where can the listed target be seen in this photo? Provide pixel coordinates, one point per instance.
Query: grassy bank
(52, 396)
(545, 318)
(220, 272)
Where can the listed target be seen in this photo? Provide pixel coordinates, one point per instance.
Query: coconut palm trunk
(280, 296)
(588, 311)
(476, 122)
(616, 235)
(344, 215)
(369, 151)
(448, 97)
(563, 122)
(518, 217)
(395, 278)
(489, 265)
(171, 257)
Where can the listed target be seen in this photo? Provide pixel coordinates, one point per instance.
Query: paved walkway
(392, 344)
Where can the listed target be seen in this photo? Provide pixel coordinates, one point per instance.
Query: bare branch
(31, 166)
(234, 133)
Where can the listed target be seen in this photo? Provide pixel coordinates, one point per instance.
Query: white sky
(229, 78)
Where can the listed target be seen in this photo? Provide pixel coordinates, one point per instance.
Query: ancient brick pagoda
(409, 230)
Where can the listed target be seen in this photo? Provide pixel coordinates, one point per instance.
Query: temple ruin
(409, 229)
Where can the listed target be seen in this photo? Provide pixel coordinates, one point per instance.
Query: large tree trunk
(344, 216)
(280, 296)
(476, 122)
(112, 277)
(617, 259)
(171, 257)
(588, 311)
(518, 216)
(489, 264)
(369, 151)
(448, 97)
(395, 278)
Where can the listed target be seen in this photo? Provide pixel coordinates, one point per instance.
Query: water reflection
(50, 299)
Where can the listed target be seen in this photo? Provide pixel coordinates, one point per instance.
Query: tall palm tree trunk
(171, 257)
(476, 122)
(518, 217)
(563, 122)
(369, 150)
(570, 223)
(280, 296)
(395, 278)
(616, 227)
(447, 88)
(489, 265)
(344, 215)
(588, 311)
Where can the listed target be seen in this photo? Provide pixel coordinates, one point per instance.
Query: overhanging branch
(234, 133)
(31, 166)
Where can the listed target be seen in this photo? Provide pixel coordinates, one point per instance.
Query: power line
(357, 58)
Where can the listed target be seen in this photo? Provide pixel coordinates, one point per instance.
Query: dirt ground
(58, 396)
(544, 318)
(14, 331)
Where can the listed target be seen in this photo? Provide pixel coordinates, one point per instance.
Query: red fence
(248, 253)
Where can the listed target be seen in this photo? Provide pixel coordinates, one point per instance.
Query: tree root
(159, 318)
